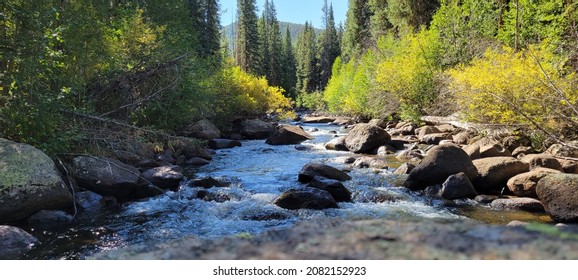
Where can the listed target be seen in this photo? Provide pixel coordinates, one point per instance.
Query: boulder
(218, 197)
(425, 130)
(309, 198)
(256, 129)
(164, 177)
(288, 135)
(473, 151)
(364, 138)
(50, 220)
(404, 169)
(29, 182)
(370, 162)
(559, 194)
(462, 138)
(435, 138)
(522, 151)
(458, 186)
(495, 172)
(446, 128)
(410, 155)
(196, 151)
(310, 171)
(15, 242)
(208, 182)
(494, 150)
(541, 160)
(321, 119)
(204, 129)
(440, 163)
(513, 142)
(219, 144)
(385, 150)
(337, 190)
(337, 144)
(197, 161)
(403, 128)
(485, 199)
(88, 201)
(397, 144)
(518, 203)
(525, 184)
(104, 176)
(569, 166)
(378, 122)
(568, 150)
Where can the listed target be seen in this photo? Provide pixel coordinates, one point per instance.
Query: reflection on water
(259, 173)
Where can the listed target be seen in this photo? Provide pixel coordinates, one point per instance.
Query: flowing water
(259, 173)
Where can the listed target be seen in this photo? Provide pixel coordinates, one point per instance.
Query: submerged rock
(50, 220)
(14, 242)
(309, 198)
(208, 182)
(219, 144)
(518, 203)
(29, 182)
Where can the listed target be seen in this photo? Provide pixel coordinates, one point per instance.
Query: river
(258, 173)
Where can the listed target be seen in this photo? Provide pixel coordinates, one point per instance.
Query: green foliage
(247, 51)
(411, 15)
(329, 48)
(307, 60)
(509, 87)
(312, 101)
(357, 36)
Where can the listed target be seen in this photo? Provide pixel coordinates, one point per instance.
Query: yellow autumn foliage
(509, 87)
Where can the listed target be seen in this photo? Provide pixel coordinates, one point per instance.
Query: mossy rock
(29, 182)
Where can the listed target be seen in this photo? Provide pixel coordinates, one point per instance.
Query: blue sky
(296, 11)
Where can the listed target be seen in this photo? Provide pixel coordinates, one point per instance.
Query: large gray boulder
(164, 177)
(288, 135)
(337, 190)
(204, 129)
(309, 198)
(14, 242)
(440, 163)
(337, 144)
(29, 182)
(542, 160)
(458, 186)
(559, 195)
(107, 177)
(312, 170)
(494, 173)
(364, 138)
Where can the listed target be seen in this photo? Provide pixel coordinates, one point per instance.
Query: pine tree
(411, 14)
(307, 71)
(271, 44)
(329, 46)
(289, 68)
(357, 36)
(211, 43)
(247, 45)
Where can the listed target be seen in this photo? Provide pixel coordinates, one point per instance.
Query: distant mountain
(294, 30)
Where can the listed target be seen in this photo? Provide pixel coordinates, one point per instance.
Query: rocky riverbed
(332, 191)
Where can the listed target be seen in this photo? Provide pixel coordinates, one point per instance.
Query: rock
(518, 203)
(559, 194)
(385, 150)
(569, 166)
(462, 138)
(337, 144)
(167, 156)
(219, 144)
(485, 199)
(403, 128)
(195, 151)
(404, 169)
(364, 138)
(256, 129)
(337, 190)
(204, 129)
(29, 182)
(495, 172)
(568, 150)
(517, 224)
(494, 150)
(345, 160)
(446, 128)
(435, 138)
(370, 162)
(211, 196)
(15, 242)
(164, 177)
(524, 184)
(317, 119)
(50, 220)
(447, 142)
(511, 143)
(378, 122)
(342, 121)
(309, 198)
(288, 135)
(397, 144)
(310, 171)
(208, 182)
(541, 160)
(473, 151)
(197, 161)
(104, 176)
(425, 130)
(88, 201)
(313, 130)
(410, 155)
(440, 163)
(522, 151)
(458, 186)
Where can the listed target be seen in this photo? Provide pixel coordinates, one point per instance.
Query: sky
(295, 11)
